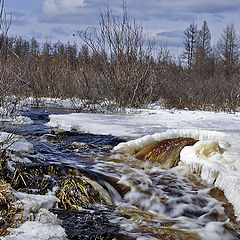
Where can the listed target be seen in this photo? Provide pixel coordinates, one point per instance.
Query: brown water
(150, 202)
(168, 203)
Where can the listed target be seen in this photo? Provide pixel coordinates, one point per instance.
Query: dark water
(55, 147)
(160, 204)
(51, 147)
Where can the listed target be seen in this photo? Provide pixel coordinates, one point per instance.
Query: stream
(155, 203)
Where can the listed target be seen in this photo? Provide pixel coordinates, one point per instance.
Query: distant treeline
(116, 62)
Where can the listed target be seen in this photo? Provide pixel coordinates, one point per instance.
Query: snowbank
(138, 123)
(69, 103)
(15, 143)
(45, 226)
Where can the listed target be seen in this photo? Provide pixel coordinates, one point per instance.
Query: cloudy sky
(164, 19)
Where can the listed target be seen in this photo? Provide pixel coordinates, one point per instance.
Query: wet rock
(144, 218)
(165, 152)
(228, 208)
(173, 234)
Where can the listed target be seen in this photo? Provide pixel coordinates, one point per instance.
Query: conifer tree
(190, 40)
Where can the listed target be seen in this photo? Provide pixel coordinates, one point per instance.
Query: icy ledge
(133, 146)
(216, 165)
(215, 157)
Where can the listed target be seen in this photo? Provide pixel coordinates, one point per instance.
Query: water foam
(211, 157)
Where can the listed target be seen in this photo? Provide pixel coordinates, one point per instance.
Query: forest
(117, 62)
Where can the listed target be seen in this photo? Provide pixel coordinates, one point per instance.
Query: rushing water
(159, 204)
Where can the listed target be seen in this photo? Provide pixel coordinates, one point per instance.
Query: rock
(228, 208)
(165, 152)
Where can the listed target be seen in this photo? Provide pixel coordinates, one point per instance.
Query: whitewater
(215, 158)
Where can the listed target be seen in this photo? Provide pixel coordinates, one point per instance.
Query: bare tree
(1, 12)
(121, 57)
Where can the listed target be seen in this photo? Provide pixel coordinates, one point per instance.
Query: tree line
(116, 62)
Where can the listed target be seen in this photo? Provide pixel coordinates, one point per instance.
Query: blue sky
(163, 19)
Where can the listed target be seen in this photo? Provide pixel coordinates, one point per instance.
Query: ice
(46, 227)
(139, 123)
(96, 124)
(33, 203)
(135, 145)
(15, 143)
(216, 157)
(212, 157)
(215, 165)
(17, 148)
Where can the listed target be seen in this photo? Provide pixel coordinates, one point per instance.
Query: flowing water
(148, 203)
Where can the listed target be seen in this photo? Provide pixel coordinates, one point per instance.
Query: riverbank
(91, 142)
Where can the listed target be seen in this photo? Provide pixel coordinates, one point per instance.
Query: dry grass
(8, 211)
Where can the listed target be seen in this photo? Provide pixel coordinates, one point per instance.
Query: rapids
(148, 201)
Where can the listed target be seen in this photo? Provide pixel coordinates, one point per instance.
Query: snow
(69, 103)
(33, 203)
(216, 157)
(15, 143)
(46, 225)
(138, 123)
(18, 120)
(10, 114)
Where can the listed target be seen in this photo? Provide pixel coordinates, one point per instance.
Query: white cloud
(58, 7)
(213, 6)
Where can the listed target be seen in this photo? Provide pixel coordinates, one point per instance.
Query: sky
(163, 20)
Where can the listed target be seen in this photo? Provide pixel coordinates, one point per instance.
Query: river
(158, 203)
